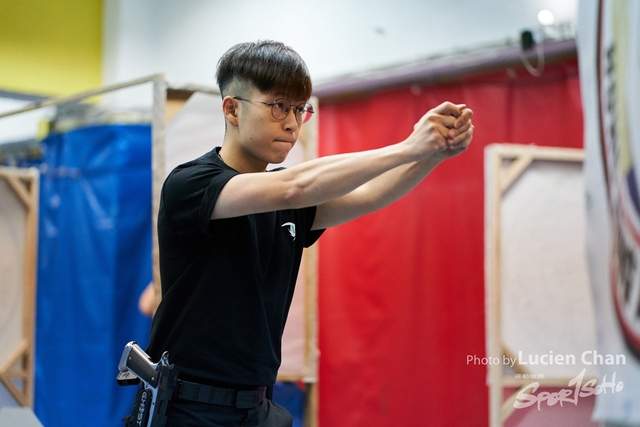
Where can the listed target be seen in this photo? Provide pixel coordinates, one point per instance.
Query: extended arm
(392, 185)
(329, 178)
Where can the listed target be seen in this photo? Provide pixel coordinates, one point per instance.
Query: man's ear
(230, 110)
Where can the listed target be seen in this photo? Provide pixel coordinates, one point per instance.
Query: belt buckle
(247, 399)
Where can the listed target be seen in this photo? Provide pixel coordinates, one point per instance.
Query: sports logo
(291, 227)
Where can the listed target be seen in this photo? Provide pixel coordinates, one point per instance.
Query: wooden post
(19, 365)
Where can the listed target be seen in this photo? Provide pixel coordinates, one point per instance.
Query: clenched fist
(444, 131)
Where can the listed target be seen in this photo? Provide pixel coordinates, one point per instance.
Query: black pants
(184, 413)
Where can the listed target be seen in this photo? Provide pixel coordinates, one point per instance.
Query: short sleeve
(312, 235)
(190, 194)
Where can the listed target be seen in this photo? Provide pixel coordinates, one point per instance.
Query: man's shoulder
(207, 159)
(207, 163)
(193, 178)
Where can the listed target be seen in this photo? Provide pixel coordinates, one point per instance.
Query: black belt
(243, 399)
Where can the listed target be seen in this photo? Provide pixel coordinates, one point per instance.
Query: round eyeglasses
(280, 109)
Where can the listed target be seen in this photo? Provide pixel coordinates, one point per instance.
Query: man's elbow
(297, 195)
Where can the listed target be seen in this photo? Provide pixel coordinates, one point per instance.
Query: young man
(231, 235)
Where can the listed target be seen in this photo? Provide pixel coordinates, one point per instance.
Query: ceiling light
(545, 17)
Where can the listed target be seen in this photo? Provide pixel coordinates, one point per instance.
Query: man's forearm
(307, 184)
(373, 195)
(396, 183)
(327, 178)
(380, 191)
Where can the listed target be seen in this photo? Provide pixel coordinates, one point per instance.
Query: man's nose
(290, 122)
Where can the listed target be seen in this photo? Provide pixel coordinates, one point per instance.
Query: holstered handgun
(158, 380)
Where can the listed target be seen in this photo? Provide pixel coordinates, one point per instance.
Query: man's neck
(236, 158)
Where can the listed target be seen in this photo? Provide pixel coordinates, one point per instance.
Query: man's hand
(460, 135)
(444, 131)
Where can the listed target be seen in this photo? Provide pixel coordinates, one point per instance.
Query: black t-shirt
(226, 284)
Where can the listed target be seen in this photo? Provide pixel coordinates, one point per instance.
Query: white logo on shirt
(291, 227)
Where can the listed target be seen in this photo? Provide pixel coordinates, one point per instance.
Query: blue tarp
(290, 396)
(95, 259)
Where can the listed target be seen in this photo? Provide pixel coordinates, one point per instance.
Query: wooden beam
(20, 189)
(14, 357)
(515, 170)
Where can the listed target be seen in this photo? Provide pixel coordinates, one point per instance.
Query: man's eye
(279, 105)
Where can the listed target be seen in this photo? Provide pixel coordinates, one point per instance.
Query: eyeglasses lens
(304, 113)
(280, 109)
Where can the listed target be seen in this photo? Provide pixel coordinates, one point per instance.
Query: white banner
(609, 55)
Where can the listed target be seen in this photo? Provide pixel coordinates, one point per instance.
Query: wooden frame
(504, 164)
(19, 365)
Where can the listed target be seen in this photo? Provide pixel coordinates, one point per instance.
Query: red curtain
(401, 291)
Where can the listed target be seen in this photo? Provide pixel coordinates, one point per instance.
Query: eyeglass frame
(308, 107)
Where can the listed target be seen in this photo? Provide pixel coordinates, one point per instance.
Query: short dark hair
(268, 66)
